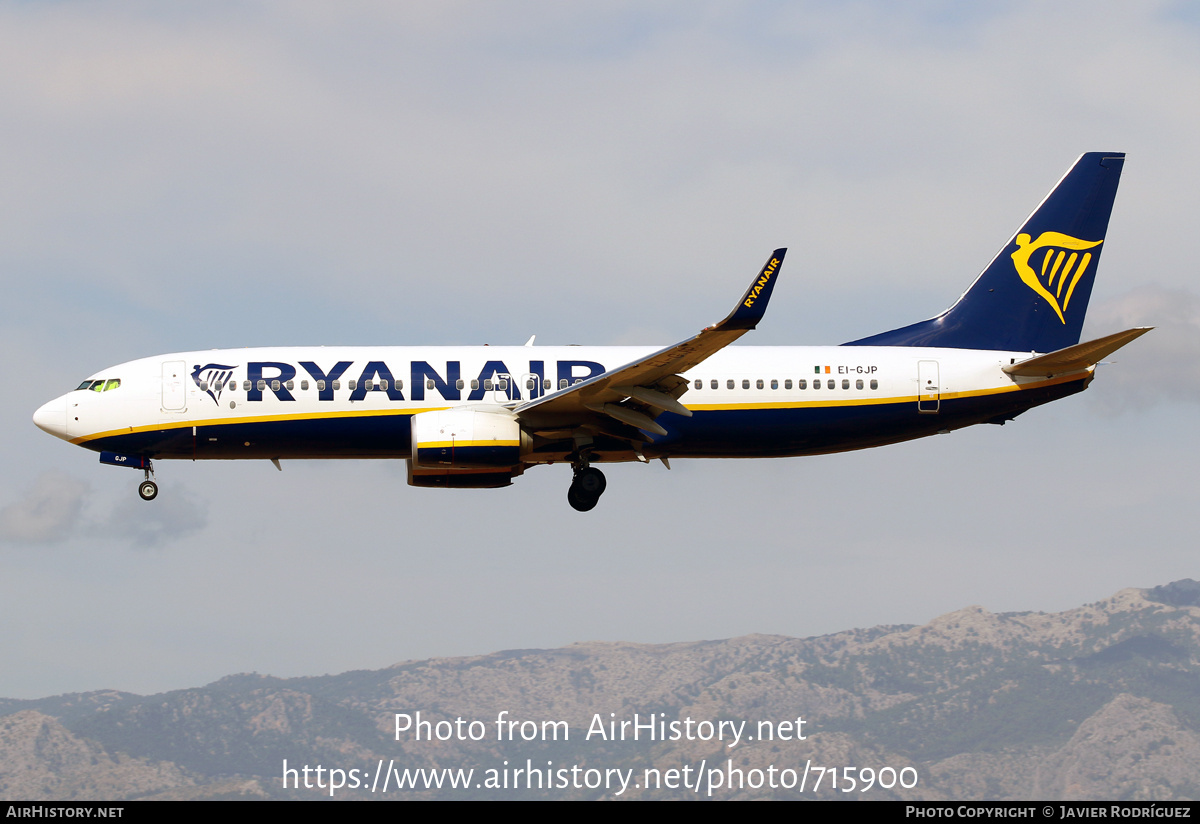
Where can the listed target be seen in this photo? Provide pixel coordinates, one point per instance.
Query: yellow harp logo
(1058, 261)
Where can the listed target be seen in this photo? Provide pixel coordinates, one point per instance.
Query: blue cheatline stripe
(727, 432)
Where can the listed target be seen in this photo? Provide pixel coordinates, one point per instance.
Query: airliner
(479, 416)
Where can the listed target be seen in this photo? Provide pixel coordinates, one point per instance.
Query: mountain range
(1097, 702)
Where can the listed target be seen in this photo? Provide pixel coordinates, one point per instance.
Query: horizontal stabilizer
(1075, 358)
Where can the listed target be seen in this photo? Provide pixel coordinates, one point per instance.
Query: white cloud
(169, 518)
(1162, 365)
(56, 509)
(49, 512)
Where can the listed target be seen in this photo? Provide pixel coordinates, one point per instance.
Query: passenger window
(203, 386)
(858, 384)
(274, 386)
(699, 384)
(320, 386)
(400, 383)
(714, 383)
(759, 383)
(245, 386)
(787, 384)
(832, 383)
(729, 384)
(816, 383)
(874, 384)
(458, 384)
(546, 384)
(562, 383)
(338, 385)
(802, 384)
(774, 384)
(745, 383)
(352, 384)
(429, 384)
(487, 386)
(845, 383)
(530, 383)
(303, 386)
(289, 385)
(578, 381)
(262, 384)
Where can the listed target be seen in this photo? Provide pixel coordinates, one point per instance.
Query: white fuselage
(331, 402)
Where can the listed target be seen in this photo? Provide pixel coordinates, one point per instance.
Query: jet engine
(466, 448)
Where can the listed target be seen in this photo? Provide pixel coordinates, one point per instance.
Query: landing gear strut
(148, 489)
(586, 487)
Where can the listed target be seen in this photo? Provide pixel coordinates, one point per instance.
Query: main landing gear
(586, 487)
(148, 489)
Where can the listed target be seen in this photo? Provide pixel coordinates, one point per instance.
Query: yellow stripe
(714, 407)
(462, 444)
(306, 416)
(700, 407)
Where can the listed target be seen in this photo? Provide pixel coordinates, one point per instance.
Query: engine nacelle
(467, 439)
(446, 478)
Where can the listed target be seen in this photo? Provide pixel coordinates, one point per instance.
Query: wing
(627, 399)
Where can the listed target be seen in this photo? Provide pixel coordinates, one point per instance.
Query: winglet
(753, 305)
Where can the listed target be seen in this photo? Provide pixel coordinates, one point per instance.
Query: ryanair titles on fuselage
(377, 376)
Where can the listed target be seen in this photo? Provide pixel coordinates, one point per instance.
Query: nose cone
(52, 417)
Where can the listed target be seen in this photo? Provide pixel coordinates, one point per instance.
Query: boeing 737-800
(474, 416)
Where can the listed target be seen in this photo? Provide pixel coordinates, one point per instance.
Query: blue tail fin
(1033, 295)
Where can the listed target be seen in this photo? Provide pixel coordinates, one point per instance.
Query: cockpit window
(100, 385)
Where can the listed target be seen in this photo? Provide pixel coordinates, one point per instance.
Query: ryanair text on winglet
(757, 288)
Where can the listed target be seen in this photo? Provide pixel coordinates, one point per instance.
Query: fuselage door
(929, 393)
(501, 388)
(174, 390)
(531, 386)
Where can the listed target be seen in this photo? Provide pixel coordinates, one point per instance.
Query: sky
(209, 175)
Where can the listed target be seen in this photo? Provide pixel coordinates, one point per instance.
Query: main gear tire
(579, 501)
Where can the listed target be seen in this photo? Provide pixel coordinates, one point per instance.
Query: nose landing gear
(586, 488)
(148, 489)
